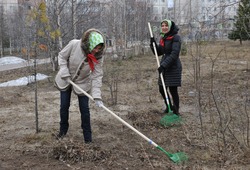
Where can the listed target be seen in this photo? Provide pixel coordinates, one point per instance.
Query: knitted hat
(95, 39)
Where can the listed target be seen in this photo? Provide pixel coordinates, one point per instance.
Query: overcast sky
(170, 3)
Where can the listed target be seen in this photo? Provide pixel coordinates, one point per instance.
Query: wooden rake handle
(113, 114)
(158, 64)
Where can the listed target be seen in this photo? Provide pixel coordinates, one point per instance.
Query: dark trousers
(175, 96)
(85, 114)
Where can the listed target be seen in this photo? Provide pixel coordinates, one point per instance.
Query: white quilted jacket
(72, 64)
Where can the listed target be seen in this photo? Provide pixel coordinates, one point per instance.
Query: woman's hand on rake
(98, 103)
(160, 69)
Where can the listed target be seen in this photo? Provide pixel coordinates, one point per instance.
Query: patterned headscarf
(95, 39)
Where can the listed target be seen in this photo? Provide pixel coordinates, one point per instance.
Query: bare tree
(3, 30)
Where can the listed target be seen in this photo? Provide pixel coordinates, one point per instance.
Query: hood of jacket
(87, 46)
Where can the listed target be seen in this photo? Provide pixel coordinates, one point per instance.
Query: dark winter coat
(170, 57)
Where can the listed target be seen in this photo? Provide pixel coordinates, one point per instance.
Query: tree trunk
(74, 18)
(1, 48)
(10, 49)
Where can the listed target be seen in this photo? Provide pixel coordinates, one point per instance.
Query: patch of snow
(24, 80)
(11, 60)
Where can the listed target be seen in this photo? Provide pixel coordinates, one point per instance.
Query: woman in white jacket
(80, 61)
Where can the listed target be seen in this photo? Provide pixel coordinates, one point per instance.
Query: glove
(98, 103)
(160, 69)
(152, 40)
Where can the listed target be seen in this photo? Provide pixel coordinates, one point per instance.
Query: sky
(22, 81)
(170, 4)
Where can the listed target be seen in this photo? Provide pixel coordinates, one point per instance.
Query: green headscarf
(169, 26)
(95, 39)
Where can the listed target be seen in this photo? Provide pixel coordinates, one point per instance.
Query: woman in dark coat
(170, 65)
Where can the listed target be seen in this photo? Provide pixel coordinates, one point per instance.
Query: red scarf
(163, 39)
(91, 61)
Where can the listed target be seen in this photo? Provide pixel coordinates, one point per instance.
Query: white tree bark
(74, 20)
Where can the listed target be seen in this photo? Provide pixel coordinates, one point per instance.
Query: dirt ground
(210, 135)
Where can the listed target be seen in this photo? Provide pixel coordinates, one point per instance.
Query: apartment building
(210, 17)
(28, 4)
(8, 6)
(11, 6)
(160, 9)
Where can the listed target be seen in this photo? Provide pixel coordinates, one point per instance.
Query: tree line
(49, 25)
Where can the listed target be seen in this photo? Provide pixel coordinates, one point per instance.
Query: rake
(175, 157)
(171, 118)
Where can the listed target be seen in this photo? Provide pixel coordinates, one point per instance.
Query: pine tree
(241, 29)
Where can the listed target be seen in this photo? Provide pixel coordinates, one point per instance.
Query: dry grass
(220, 141)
